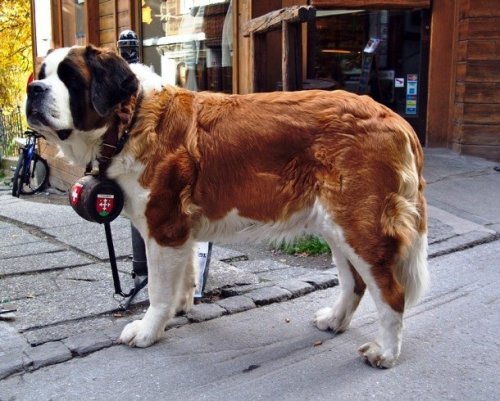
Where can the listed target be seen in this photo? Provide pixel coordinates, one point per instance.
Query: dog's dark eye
(41, 73)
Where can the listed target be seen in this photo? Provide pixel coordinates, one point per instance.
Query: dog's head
(77, 92)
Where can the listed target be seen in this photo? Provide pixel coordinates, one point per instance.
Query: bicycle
(32, 170)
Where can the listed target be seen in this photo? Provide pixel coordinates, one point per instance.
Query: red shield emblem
(76, 193)
(104, 204)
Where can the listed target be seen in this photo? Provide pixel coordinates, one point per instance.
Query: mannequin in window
(181, 75)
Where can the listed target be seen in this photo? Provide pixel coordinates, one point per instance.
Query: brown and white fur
(215, 167)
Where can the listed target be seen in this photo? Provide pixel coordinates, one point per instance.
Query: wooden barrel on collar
(96, 200)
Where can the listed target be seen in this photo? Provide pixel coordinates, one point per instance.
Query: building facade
(435, 62)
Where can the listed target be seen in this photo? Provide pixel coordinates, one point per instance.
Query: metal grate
(10, 126)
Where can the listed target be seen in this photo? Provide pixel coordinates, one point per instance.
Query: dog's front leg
(165, 282)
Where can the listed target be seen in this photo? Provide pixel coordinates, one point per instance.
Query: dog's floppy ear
(112, 80)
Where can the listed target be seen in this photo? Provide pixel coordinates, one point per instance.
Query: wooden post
(291, 65)
(289, 20)
(285, 61)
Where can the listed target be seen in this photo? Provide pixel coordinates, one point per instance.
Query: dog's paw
(330, 319)
(137, 334)
(373, 355)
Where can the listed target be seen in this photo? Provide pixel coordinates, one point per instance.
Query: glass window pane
(43, 27)
(189, 42)
(388, 71)
(73, 21)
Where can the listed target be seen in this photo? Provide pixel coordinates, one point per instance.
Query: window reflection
(73, 22)
(189, 42)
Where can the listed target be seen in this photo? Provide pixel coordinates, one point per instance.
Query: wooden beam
(274, 19)
(115, 22)
(442, 68)
(92, 23)
(259, 62)
(291, 63)
(363, 4)
(56, 16)
(286, 63)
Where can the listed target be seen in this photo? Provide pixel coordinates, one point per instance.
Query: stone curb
(46, 354)
(80, 345)
(461, 242)
(86, 343)
(268, 295)
(236, 304)
(11, 363)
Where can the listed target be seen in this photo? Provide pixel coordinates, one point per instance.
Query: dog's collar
(116, 136)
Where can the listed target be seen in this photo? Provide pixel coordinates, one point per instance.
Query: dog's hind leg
(338, 317)
(166, 275)
(389, 297)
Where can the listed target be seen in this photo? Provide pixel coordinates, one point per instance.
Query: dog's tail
(412, 273)
(405, 219)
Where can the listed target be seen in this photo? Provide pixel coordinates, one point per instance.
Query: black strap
(113, 142)
(114, 271)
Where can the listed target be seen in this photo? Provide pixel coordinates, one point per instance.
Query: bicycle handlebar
(32, 133)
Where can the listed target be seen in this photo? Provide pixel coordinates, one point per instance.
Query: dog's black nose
(37, 88)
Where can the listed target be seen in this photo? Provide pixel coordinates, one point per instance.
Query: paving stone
(4, 224)
(123, 248)
(113, 332)
(40, 214)
(461, 242)
(10, 339)
(259, 266)
(244, 289)
(223, 274)
(26, 286)
(61, 331)
(321, 281)
(267, 295)
(236, 304)
(33, 248)
(177, 321)
(296, 287)
(283, 274)
(86, 343)
(438, 231)
(47, 354)
(119, 227)
(81, 292)
(11, 363)
(16, 236)
(47, 261)
(226, 254)
(202, 312)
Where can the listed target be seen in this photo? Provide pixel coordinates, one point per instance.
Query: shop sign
(411, 93)
(411, 104)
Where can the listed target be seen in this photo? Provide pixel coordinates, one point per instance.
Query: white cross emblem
(104, 204)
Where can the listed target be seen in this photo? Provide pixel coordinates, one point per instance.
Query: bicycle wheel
(38, 175)
(17, 180)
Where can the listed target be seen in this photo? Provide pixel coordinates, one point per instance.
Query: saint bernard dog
(215, 167)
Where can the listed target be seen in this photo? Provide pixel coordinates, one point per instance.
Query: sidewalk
(55, 277)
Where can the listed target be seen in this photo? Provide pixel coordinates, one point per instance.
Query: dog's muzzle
(37, 92)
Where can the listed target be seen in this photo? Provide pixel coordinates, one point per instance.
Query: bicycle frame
(32, 170)
(29, 150)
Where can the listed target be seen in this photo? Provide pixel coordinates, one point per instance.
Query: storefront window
(73, 22)
(189, 42)
(372, 52)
